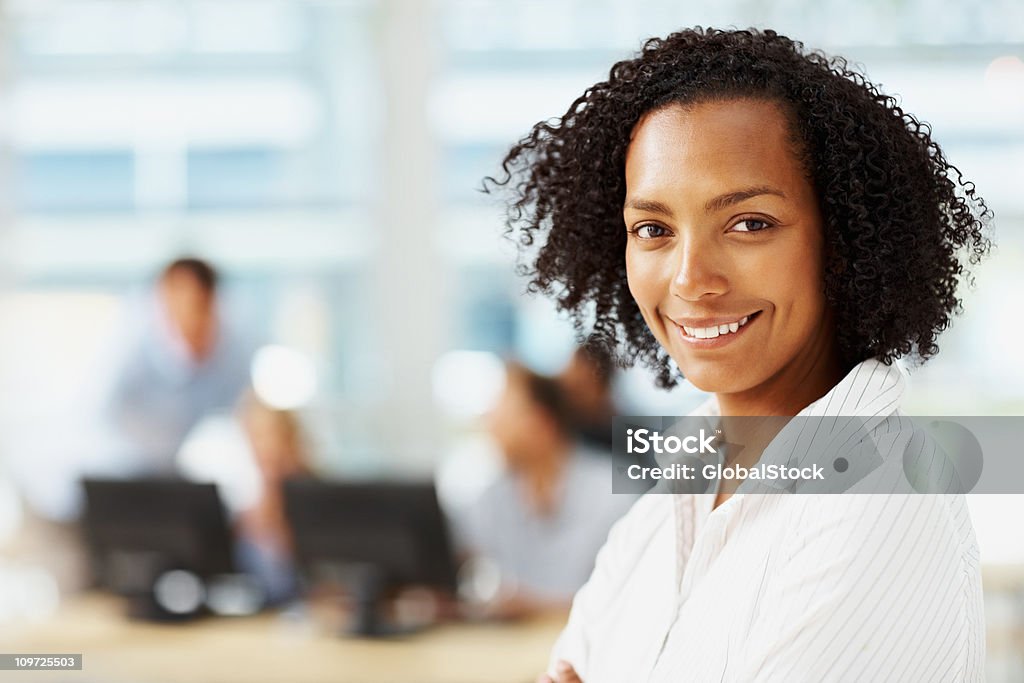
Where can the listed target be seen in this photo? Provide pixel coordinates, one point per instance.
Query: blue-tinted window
(464, 166)
(487, 311)
(237, 177)
(75, 181)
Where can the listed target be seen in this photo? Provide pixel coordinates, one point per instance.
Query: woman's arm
(612, 568)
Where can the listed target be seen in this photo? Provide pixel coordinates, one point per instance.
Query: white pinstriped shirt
(774, 587)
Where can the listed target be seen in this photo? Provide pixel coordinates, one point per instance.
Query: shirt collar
(870, 393)
(869, 390)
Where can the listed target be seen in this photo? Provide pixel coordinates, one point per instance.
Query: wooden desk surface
(276, 648)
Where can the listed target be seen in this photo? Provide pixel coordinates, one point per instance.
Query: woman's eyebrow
(722, 201)
(715, 204)
(648, 205)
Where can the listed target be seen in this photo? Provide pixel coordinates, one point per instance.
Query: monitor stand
(368, 585)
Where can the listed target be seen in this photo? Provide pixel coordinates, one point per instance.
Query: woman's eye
(650, 231)
(751, 225)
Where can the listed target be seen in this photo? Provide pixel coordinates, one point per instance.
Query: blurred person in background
(543, 520)
(263, 536)
(249, 455)
(586, 382)
(172, 362)
(179, 363)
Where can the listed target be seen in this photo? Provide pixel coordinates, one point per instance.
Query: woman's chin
(716, 378)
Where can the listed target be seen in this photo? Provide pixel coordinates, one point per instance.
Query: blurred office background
(327, 156)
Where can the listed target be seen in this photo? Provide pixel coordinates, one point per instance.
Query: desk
(274, 648)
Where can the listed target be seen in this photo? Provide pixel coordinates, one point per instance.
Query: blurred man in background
(544, 519)
(170, 363)
(180, 364)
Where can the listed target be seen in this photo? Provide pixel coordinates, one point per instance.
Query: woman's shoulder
(923, 529)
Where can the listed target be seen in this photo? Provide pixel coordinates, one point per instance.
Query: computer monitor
(374, 536)
(139, 529)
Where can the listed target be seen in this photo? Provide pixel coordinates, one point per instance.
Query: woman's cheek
(648, 286)
(643, 278)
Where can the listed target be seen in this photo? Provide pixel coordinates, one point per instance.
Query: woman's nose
(699, 271)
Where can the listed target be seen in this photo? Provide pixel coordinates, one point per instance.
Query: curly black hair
(900, 221)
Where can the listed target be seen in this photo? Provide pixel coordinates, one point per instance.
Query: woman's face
(725, 249)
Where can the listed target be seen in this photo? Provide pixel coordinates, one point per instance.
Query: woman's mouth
(713, 332)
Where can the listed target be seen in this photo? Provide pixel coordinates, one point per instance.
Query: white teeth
(712, 332)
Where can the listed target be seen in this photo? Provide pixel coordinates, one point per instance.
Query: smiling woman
(898, 224)
(768, 221)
